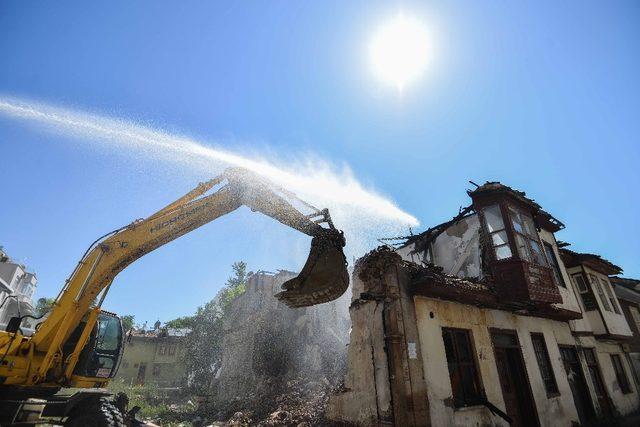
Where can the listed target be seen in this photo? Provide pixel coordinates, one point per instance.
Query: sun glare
(400, 51)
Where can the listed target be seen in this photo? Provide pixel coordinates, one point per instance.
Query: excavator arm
(323, 278)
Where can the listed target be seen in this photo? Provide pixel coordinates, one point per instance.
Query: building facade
(153, 357)
(17, 286)
(628, 293)
(486, 320)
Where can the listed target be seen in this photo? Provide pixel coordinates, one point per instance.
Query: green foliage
(43, 305)
(127, 322)
(181, 322)
(203, 345)
(239, 278)
(153, 404)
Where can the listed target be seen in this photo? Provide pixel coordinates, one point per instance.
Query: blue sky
(541, 96)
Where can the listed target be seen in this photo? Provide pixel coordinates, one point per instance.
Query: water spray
(312, 179)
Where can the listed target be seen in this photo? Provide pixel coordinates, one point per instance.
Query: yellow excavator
(78, 345)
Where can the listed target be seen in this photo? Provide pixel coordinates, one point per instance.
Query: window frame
(595, 283)
(552, 260)
(528, 234)
(621, 374)
(491, 233)
(595, 373)
(635, 315)
(589, 301)
(460, 400)
(609, 292)
(544, 358)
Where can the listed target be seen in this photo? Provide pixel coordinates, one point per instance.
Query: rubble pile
(300, 403)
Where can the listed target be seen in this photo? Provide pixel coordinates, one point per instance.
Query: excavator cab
(324, 276)
(100, 357)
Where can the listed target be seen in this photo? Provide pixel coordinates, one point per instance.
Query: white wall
(623, 403)
(616, 324)
(569, 298)
(9, 272)
(22, 284)
(558, 410)
(456, 250)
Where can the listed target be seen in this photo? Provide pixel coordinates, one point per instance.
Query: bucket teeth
(324, 276)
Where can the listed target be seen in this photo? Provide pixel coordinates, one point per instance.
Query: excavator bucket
(324, 276)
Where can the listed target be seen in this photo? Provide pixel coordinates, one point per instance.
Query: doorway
(577, 384)
(514, 382)
(142, 370)
(596, 380)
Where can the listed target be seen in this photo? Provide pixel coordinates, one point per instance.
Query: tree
(236, 284)
(181, 322)
(203, 344)
(239, 278)
(43, 305)
(127, 322)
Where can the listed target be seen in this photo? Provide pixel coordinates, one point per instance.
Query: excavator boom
(48, 358)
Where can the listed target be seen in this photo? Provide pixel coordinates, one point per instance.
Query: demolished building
(270, 349)
(485, 320)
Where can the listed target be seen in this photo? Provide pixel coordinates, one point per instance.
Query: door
(596, 380)
(101, 355)
(577, 384)
(514, 382)
(142, 370)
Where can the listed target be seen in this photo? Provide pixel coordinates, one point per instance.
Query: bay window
(525, 237)
(514, 253)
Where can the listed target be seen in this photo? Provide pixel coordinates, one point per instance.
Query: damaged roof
(593, 261)
(625, 293)
(423, 239)
(633, 284)
(543, 218)
(160, 332)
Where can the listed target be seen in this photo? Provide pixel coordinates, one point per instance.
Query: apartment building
(17, 286)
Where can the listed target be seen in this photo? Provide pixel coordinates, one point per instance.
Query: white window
(587, 297)
(526, 237)
(497, 232)
(612, 298)
(596, 284)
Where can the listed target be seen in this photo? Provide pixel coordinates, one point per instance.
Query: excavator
(78, 346)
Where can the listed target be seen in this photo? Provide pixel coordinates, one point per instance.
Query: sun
(400, 51)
